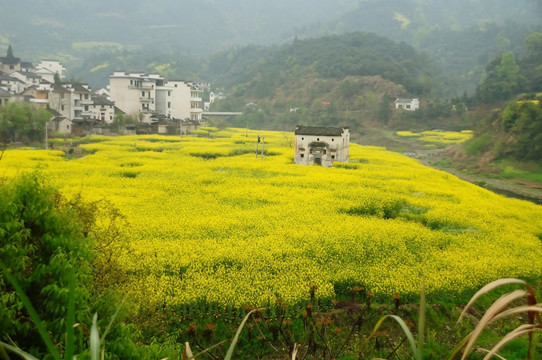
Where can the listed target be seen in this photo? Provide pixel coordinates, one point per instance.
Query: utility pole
(181, 129)
(263, 142)
(47, 135)
(257, 146)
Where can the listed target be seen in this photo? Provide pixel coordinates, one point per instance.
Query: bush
(478, 144)
(42, 247)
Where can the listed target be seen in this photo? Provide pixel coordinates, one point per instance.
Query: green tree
(22, 122)
(502, 79)
(42, 246)
(9, 54)
(533, 46)
(384, 109)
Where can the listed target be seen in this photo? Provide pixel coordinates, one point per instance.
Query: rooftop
(319, 130)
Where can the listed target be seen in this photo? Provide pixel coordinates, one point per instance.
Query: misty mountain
(462, 35)
(177, 38)
(38, 28)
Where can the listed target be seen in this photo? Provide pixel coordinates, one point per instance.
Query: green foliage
(42, 247)
(355, 54)
(46, 252)
(478, 145)
(22, 122)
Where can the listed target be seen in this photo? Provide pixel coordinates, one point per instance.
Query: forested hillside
(512, 88)
(461, 35)
(342, 79)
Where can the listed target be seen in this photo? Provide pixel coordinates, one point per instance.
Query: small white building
(27, 78)
(179, 99)
(321, 145)
(10, 83)
(102, 108)
(135, 93)
(47, 69)
(407, 104)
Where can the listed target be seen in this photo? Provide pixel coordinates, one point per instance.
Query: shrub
(478, 145)
(41, 246)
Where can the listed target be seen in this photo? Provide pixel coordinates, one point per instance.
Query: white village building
(407, 104)
(139, 94)
(321, 145)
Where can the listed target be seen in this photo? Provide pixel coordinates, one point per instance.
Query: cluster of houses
(160, 106)
(157, 105)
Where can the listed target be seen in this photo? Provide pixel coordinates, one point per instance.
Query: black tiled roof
(101, 100)
(319, 130)
(9, 60)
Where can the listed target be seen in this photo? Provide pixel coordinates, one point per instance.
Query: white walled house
(11, 84)
(407, 104)
(321, 145)
(148, 94)
(47, 69)
(135, 93)
(59, 123)
(180, 100)
(72, 101)
(102, 108)
(27, 78)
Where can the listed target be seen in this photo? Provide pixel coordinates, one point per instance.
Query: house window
(325, 152)
(332, 139)
(169, 104)
(68, 127)
(317, 139)
(143, 94)
(302, 138)
(332, 157)
(86, 96)
(169, 93)
(86, 108)
(302, 156)
(62, 107)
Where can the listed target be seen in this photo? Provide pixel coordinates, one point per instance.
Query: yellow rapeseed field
(211, 222)
(438, 137)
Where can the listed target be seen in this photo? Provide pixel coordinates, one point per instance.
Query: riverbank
(513, 188)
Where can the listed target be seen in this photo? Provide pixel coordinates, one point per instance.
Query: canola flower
(211, 222)
(434, 137)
